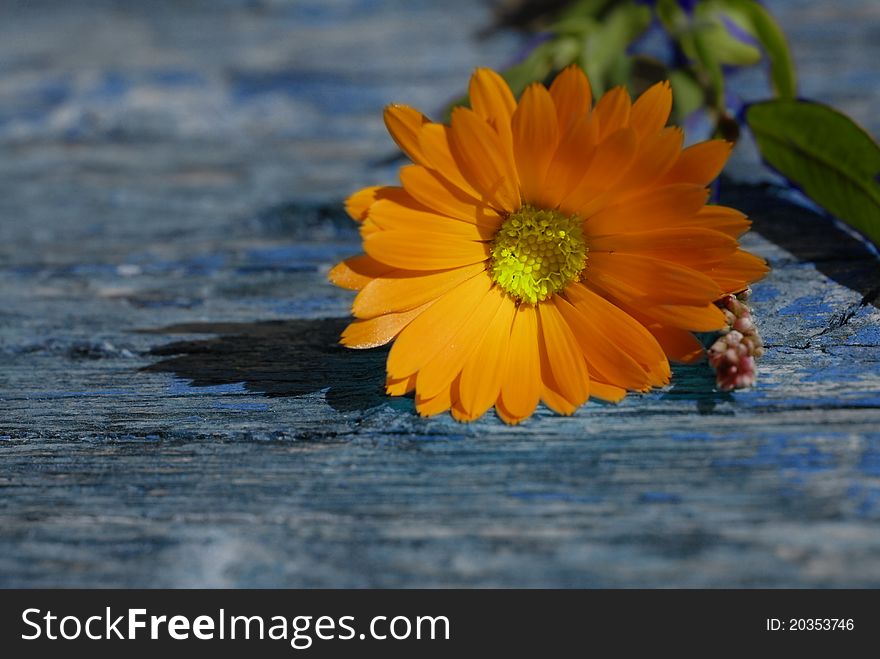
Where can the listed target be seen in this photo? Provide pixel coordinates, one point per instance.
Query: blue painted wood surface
(174, 410)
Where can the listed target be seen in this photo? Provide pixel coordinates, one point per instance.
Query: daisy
(542, 250)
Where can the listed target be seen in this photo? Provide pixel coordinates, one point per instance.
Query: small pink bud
(744, 380)
(733, 353)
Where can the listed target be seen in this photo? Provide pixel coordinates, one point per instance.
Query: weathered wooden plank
(174, 410)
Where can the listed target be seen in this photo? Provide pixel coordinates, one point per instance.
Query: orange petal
(358, 204)
(435, 192)
(356, 272)
(433, 331)
(571, 95)
(726, 220)
(447, 362)
(738, 271)
(678, 344)
(566, 361)
(657, 153)
(612, 158)
(689, 245)
(606, 392)
(436, 404)
(651, 110)
(700, 163)
(378, 331)
(571, 161)
(482, 159)
(550, 389)
(413, 216)
(658, 208)
(400, 387)
(553, 399)
(436, 143)
(400, 290)
(634, 277)
(605, 358)
(535, 134)
(368, 228)
(507, 416)
(461, 414)
(490, 96)
(493, 101)
(404, 123)
(630, 335)
(421, 250)
(613, 111)
(521, 387)
(483, 371)
(705, 318)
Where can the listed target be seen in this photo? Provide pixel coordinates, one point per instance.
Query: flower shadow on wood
(696, 382)
(276, 358)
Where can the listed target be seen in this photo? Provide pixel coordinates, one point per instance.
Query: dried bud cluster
(734, 353)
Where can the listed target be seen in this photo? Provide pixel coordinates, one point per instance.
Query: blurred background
(288, 94)
(231, 104)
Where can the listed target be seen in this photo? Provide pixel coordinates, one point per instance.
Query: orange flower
(542, 250)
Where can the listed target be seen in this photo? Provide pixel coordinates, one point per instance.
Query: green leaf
(672, 16)
(726, 47)
(603, 48)
(574, 25)
(705, 55)
(536, 66)
(752, 17)
(687, 94)
(580, 8)
(824, 153)
(698, 39)
(730, 50)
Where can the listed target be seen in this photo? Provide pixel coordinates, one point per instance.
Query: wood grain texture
(174, 409)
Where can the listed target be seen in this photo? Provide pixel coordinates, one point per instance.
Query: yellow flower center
(537, 253)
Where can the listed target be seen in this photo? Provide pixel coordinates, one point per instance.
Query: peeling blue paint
(762, 293)
(555, 496)
(294, 257)
(112, 87)
(870, 463)
(866, 500)
(331, 93)
(810, 309)
(176, 78)
(869, 335)
(659, 497)
(696, 437)
(782, 452)
(82, 394)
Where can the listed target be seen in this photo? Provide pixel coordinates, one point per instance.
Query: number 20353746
(809, 624)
